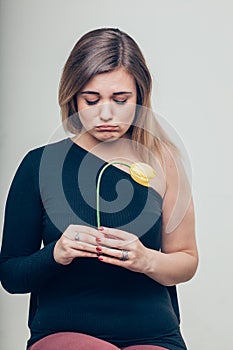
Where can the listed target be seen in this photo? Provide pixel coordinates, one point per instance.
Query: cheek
(126, 114)
(87, 116)
(80, 104)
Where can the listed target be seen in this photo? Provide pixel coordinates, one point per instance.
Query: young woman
(99, 228)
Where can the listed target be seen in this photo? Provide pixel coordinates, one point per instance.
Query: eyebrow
(114, 94)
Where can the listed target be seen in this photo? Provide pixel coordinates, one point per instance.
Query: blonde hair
(104, 50)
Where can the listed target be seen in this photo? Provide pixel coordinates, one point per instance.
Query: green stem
(98, 189)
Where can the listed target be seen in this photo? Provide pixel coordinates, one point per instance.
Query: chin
(107, 137)
(110, 139)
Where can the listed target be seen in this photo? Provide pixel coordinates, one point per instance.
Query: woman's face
(107, 105)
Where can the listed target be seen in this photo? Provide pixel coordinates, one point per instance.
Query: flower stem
(98, 189)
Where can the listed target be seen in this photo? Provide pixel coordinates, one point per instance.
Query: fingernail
(98, 239)
(101, 228)
(99, 249)
(100, 258)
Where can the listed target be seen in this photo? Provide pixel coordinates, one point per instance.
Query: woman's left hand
(122, 248)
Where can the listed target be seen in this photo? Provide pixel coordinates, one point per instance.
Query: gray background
(188, 47)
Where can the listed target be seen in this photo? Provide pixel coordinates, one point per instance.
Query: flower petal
(142, 173)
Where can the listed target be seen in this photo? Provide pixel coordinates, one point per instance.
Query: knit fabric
(55, 186)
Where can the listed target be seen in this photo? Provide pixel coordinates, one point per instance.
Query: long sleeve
(56, 187)
(25, 266)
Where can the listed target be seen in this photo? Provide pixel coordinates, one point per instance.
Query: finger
(122, 235)
(113, 261)
(88, 230)
(116, 243)
(112, 243)
(116, 253)
(83, 246)
(82, 254)
(80, 228)
(84, 242)
(84, 231)
(86, 238)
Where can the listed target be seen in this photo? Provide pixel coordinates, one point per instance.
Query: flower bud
(142, 173)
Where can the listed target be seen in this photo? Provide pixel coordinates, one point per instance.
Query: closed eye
(91, 103)
(120, 102)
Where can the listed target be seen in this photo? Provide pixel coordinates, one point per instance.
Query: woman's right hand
(76, 242)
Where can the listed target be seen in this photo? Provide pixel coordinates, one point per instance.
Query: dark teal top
(55, 186)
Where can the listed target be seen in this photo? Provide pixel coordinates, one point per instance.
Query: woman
(99, 246)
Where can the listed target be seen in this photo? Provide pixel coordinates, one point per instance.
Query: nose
(105, 112)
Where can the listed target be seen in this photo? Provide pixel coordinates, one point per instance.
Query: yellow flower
(142, 173)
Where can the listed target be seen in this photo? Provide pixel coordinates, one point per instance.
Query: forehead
(112, 81)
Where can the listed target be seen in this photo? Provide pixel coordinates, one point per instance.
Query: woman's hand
(122, 248)
(76, 242)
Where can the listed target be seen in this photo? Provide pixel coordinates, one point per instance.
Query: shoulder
(170, 162)
(33, 160)
(170, 157)
(54, 147)
(48, 152)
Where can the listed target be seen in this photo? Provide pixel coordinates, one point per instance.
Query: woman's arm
(177, 262)
(24, 267)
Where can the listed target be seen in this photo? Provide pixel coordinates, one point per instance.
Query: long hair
(104, 50)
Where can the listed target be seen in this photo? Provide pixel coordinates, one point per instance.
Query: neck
(105, 150)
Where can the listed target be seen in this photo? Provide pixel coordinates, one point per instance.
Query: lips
(107, 127)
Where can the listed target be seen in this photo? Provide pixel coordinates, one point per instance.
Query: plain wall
(188, 47)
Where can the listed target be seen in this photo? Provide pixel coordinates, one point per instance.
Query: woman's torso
(90, 297)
